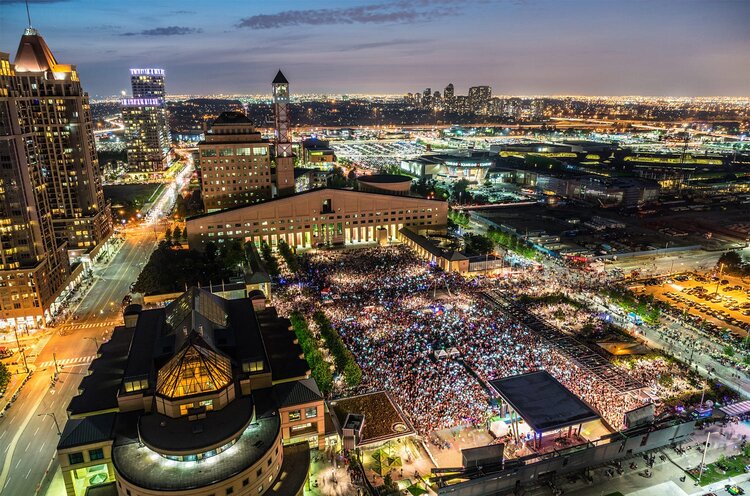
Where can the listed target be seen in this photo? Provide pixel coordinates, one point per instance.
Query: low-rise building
(317, 152)
(195, 398)
(326, 216)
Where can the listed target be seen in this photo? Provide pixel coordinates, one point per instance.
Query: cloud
(179, 12)
(165, 31)
(8, 2)
(377, 13)
(381, 44)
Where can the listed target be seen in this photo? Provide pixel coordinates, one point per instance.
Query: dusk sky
(595, 47)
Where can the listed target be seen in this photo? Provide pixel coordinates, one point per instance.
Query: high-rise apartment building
(479, 98)
(235, 163)
(51, 198)
(145, 117)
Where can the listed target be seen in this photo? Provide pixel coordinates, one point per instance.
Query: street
(29, 440)
(29, 430)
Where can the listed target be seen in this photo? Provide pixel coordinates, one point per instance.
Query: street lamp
(54, 417)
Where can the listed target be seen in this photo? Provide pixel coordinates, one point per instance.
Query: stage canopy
(541, 401)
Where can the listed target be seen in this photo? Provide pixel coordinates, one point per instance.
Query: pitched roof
(280, 79)
(196, 368)
(297, 392)
(33, 53)
(88, 430)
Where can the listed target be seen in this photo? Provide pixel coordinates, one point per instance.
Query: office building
(145, 116)
(203, 396)
(284, 155)
(51, 199)
(235, 163)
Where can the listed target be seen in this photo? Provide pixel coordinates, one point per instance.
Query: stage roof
(543, 402)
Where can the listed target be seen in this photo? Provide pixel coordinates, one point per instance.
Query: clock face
(281, 90)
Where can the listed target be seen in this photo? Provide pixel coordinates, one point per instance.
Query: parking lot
(723, 302)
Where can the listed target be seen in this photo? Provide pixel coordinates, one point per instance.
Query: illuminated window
(295, 415)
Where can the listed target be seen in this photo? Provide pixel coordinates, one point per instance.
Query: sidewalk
(667, 474)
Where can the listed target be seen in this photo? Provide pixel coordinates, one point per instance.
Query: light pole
(54, 417)
(18, 344)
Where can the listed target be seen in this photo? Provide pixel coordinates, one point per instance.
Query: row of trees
(169, 270)
(272, 265)
(512, 242)
(290, 256)
(342, 357)
(643, 306)
(458, 218)
(319, 368)
(176, 235)
(4, 376)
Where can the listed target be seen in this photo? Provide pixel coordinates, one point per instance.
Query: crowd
(394, 312)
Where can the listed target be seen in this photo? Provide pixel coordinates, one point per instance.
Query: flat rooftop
(541, 401)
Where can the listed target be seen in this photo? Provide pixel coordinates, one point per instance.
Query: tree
(184, 233)
(210, 251)
(177, 233)
(4, 375)
(460, 190)
(168, 233)
(477, 244)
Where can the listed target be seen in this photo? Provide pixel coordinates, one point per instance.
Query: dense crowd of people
(395, 312)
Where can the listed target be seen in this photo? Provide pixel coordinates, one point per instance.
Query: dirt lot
(729, 307)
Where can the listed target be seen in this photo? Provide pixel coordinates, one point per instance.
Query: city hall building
(205, 396)
(321, 217)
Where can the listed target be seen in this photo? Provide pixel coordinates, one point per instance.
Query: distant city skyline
(524, 47)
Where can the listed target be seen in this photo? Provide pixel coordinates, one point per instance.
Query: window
(301, 427)
(75, 458)
(226, 152)
(209, 152)
(230, 490)
(96, 454)
(260, 489)
(311, 412)
(245, 482)
(259, 472)
(295, 415)
(256, 366)
(242, 151)
(260, 150)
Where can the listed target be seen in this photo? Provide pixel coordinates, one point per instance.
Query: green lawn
(734, 465)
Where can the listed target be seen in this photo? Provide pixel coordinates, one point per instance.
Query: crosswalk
(92, 325)
(67, 361)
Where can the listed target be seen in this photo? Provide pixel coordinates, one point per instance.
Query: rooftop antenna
(28, 14)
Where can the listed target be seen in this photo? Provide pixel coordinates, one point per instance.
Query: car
(734, 489)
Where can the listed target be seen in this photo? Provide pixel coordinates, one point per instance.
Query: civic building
(205, 396)
(326, 216)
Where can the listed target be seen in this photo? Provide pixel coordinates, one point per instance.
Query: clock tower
(284, 154)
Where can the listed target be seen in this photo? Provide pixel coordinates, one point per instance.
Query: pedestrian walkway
(67, 361)
(91, 325)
